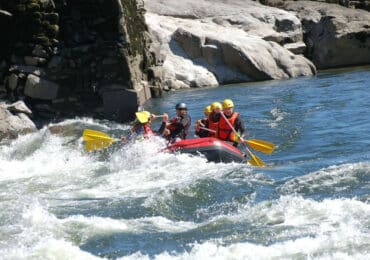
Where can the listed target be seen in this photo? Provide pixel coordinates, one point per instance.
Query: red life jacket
(224, 130)
(172, 127)
(147, 130)
(213, 126)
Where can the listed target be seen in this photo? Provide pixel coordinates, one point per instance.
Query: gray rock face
(266, 22)
(40, 88)
(207, 43)
(14, 120)
(120, 103)
(336, 36)
(253, 56)
(6, 25)
(13, 81)
(60, 51)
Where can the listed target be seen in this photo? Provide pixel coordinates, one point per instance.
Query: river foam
(132, 202)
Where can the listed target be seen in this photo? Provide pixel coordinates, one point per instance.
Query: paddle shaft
(207, 129)
(254, 159)
(258, 145)
(229, 124)
(213, 131)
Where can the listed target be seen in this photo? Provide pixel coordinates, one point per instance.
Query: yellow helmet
(207, 110)
(228, 103)
(216, 105)
(143, 116)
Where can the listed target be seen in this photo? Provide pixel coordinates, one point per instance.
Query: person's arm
(163, 125)
(161, 128)
(186, 125)
(201, 132)
(182, 123)
(239, 127)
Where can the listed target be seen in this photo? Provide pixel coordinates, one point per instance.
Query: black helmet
(181, 106)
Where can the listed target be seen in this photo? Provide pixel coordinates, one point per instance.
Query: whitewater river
(312, 201)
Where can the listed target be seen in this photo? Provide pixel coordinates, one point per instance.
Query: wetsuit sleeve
(239, 126)
(183, 123)
(202, 132)
(161, 129)
(186, 122)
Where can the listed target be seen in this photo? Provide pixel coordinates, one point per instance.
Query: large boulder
(207, 43)
(251, 55)
(39, 88)
(253, 18)
(336, 36)
(198, 53)
(14, 120)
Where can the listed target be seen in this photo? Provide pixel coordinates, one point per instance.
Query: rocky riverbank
(104, 58)
(208, 43)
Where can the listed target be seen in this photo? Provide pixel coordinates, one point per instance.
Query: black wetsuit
(202, 132)
(179, 127)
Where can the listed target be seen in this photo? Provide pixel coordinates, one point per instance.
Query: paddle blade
(96, 140)
(255, 160)
(89, 134)
(143, 116)
(261, 146)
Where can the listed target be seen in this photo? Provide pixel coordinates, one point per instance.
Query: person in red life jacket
(203, 123)
(225, 132)
(179, 125)
(142, 125)
(214, 118)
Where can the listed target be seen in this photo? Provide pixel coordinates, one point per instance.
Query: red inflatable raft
(213, 149)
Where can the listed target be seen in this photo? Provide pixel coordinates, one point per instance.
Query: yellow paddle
(256, 144)
(143, 116)
(261, 146)
(96, 140)
(255, 160)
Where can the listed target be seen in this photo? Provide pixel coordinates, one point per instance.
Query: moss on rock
(33, 7)
(20, 8)
(52, 18)
(43, 40)
(52, 30)
(135, 24)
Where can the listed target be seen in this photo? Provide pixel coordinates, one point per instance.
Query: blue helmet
(181, 106)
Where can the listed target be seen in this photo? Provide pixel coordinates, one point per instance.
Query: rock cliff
(207, 43)
(76, 57)
(335, 36)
